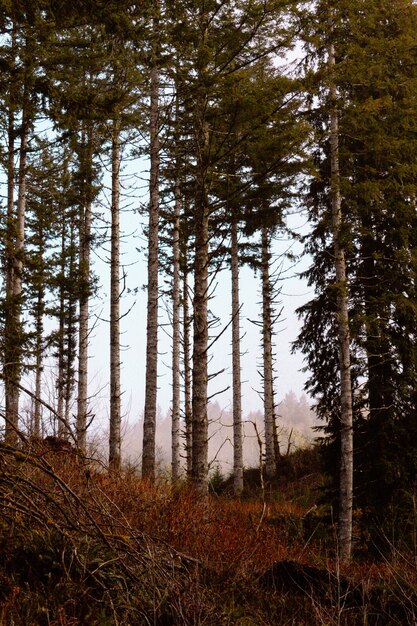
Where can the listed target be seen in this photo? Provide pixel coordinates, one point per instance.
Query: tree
(149, 419)
(22, 105)
(342, 316)
(372, 76)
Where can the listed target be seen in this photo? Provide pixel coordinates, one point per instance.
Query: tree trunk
(71, 328)
(201, 262)
(115, 409)
(268, 375)
(60, 383)
(9, 357)
(40, 307)
(346, 416)
(176, 306)
(13, 329)
(149, 418)
(85, 251)
(188, 409)
(237, 387)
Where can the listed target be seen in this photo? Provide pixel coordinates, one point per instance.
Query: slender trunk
(149, 418)
(176, 306)
(346, 416)
(115, 412)
(237, 387)
(13, 332)
(268, 376)
(70, 323)
(37, 415)
(60, 384)
(201, 261)
(188, 409)
(8, 367)
(83, 329)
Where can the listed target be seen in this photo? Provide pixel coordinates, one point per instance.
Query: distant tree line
(236, 138)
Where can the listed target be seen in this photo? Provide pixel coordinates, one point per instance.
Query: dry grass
(81, 547)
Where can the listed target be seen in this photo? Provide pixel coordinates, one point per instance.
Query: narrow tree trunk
(201, 261)
(237, 387)
(70, 328)
(37, 415)
(149, 418)
(346, 416)
(60, 383)
(268, 376)
(83, 329)
(13, 331)
(176, 306)
(9, 357)
(115, 409)
(188, 409)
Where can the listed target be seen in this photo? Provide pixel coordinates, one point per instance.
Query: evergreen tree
(375, 79)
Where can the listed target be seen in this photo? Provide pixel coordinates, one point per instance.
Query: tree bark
(70, 330)
(85, 251)
(9, 357)
(149, 418)
(268, 376)
(13, 329)
(176, 307)
(201, 261)
(236, 367)
(40, 307)
(188, 409)
(342, 301)
(115, 408)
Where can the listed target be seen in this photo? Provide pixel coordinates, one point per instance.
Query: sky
(133, 325)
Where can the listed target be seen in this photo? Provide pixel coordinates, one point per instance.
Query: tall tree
(149, 418)
(372, 78)
(115, 394)
(342, 313)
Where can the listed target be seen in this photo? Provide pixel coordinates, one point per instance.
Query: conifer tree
(374, 81)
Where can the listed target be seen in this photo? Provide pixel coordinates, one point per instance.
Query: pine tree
(374, 79)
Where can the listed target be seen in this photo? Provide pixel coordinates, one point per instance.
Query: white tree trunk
(13, 331)
(83, 328)
(346, 414)
(268, 376)
(9, 357)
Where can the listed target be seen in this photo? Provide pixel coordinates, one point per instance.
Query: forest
(212, 123)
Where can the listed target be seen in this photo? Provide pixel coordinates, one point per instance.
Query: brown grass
(81, 547)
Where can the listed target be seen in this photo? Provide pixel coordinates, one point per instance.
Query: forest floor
(79, 547)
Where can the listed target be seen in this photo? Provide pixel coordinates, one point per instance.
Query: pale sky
(133, 327)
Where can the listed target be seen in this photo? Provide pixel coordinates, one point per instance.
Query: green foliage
(376, 79)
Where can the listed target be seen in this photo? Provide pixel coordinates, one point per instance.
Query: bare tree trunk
(176, 307)
(85, 251)
(268, 377)
(115, 409)
(37, 415)
(60, 384)
(9, 357)
(188, 409)
(201, 261)
(346, 415)
(13, 330)
(237, 387)
(149, 418)
(70, 331)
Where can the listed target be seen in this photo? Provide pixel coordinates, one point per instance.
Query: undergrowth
(81, 547)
